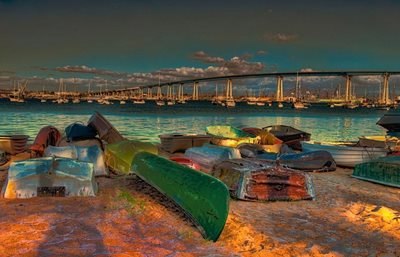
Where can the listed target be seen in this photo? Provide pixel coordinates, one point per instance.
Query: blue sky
(135, 41)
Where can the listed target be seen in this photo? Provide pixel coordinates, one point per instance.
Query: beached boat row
(199, 172)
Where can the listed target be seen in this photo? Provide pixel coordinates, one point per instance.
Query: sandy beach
(129, 218)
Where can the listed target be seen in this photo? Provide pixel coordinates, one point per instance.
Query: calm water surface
(146, 122)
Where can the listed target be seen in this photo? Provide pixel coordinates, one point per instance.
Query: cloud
(85, 69)
(280, 37)
(202, 56)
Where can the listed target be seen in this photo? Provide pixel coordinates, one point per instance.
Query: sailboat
(229, 100)
(251, 99)
(216, 100)
(139, 99)
(298, 104)
(17, 95)
(89, 99)
(259, 102)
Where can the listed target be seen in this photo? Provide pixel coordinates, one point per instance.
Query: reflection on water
(147, 124)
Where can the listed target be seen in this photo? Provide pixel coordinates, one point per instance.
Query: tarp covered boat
(13, 144)
(202, 197)
(289, 135)
(385, 170)
(119, 156)
(306, 161)
(172, 143)
(346, 154)
(106, 131)
(49, 177)
(209, 155)
(256, 181)
(390, 121)
(229, 136)
(91, 154)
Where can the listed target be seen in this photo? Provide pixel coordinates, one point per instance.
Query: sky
(132, 43)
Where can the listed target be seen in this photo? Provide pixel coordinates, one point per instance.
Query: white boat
(346, 154)
(160, 102)
(280, 105)
(171, 102)
(230, 103)
(43, 100)
(299, 105)
(122, 102)
(139, 101)
(76, 101)
(260, 103)
(251, 102)
(90, 101)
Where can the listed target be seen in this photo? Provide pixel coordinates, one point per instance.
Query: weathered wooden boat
(390, 121)
(257, 181)
(306, 161)
(180, 142)
(105, 130)
(119, 156)
(384, 170)
(14, 144)
(91, 154)
(289, 135)
(47, 136)
(379, 141)
(267, 141)
(208, 156)
(203, 198)
(229, 136)
(49, 177)
(346, 154)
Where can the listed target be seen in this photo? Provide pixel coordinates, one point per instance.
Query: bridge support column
(348, 95)
(229, 89)
(149, 93)
(279, 89)
(159, 94)
(385, 89)
(180, 92)
(195, 91)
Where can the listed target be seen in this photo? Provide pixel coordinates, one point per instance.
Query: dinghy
(176, 142)
(390, 121)
(13, 144)
(289, 135)
(119, 156)
(378, 141)
(346, 154)
(106, 131)
(208, 156)
(308, 161)
(256, 181)
(385, 170)
(203, 198)
(229, 136)
(49, 177)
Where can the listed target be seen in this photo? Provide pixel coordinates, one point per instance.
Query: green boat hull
(204, 198)
(385, 170)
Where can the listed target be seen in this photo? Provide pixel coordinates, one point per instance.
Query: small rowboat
(185, 161)
(229, 136)
(379, 141)
(289, 135)
(346, 154)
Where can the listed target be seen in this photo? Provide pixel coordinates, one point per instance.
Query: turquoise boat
(384, 170)
(203, 198)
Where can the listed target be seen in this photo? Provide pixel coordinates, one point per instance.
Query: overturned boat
(119, 156)
(176, 142)
(390, 121)
(379, 141)
(49, 177)
(92, 154)
(105, 129)
(229, 136)
(257, 181)
(384, 170)
(208, 156)
(203, 198)
(13, 144)
(346, 154)
(289, 135)
(306, 161)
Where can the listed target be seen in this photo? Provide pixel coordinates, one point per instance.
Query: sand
(129, 218)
